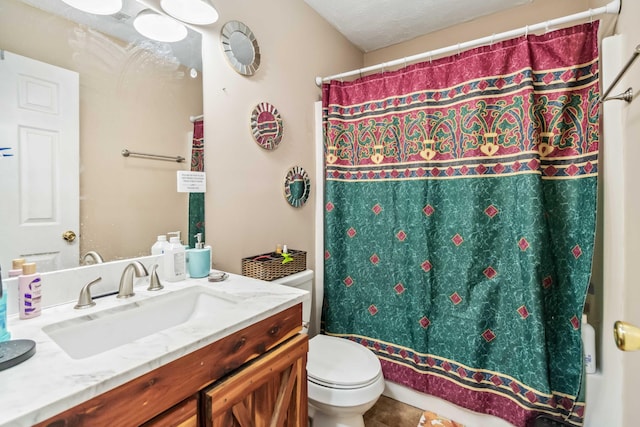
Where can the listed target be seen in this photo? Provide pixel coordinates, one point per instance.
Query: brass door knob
(627, 336)
(69, 236)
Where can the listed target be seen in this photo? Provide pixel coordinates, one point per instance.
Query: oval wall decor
(296, 186)
(266, 126)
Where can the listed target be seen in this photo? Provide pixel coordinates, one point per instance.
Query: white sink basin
(101, 331)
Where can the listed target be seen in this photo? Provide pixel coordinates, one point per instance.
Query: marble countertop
(51, 381)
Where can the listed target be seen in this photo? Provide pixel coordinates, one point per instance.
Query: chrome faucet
(95, 256)
(85, 300)
(126, 281)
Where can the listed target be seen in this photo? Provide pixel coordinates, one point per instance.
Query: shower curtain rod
(195, 118)
(611, 8)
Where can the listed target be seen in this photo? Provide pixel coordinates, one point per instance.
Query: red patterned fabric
(460, 219)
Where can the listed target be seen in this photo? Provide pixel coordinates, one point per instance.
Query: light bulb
(159, 27)
(198, 12)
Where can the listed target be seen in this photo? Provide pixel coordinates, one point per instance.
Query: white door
(39, 163)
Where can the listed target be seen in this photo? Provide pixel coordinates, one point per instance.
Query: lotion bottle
(175, 261)
(589, 346)
(29, 292)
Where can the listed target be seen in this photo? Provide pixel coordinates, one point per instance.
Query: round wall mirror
(296, 186)
(240, 47)
(266, 125)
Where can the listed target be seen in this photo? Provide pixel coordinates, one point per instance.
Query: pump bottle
(175, 261)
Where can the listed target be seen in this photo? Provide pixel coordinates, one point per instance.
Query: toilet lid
(340, 363)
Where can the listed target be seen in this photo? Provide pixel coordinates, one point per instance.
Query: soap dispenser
(199, 259)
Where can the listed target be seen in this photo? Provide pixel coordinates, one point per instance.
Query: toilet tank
(304, 281)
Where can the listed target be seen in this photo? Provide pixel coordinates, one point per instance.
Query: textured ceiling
(374, 24)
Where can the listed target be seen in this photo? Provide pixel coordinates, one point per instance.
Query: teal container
(199, 262)
(4, 333)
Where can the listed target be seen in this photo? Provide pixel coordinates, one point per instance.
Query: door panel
(39, 162)
(269, 392)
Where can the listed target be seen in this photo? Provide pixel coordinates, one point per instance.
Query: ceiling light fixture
(97, 7)
(198, 12)
(159, 27)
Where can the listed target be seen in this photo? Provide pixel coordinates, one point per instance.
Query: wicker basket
(269, 266)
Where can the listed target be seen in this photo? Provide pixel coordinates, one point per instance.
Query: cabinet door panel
(269, 392)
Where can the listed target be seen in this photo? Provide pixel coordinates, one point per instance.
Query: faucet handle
(154, 280)
(85, 300)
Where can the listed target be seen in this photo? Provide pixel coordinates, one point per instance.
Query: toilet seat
(341, 364)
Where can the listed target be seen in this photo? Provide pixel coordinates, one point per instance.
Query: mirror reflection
(242, 48)
(132, 93)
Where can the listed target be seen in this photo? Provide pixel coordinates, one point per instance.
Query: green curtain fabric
(460, 219)
(196, 200)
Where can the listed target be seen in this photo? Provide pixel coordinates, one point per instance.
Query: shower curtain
(460, 219)
(196, 200)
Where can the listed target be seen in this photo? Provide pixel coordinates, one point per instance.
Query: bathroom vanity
(238, 355)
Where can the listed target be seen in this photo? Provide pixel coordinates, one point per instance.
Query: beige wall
(125, 203)
(246, 213)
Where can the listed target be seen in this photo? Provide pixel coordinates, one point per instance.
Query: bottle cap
(285, 250)
(16, 264)
(162, 238)
(584, 318)
(28, 268)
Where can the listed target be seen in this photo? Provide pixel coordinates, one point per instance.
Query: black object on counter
(13, 352)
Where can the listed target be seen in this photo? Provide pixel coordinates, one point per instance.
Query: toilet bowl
(344, 378)
(344, 381)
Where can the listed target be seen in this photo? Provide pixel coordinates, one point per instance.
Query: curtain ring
(526, 31)
(590, 16)
(493, 37)
(430, 58)
(405, 62)
(458, 49)
(546, 27)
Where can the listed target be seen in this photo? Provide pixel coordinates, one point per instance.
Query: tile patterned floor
(391, 413)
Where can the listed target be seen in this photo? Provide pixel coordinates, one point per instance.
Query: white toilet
(344, 378)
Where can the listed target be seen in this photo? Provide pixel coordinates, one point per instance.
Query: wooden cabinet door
(269, 392)
(184, 414)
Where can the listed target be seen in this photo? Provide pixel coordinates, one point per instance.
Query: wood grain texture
(147, 396)
(184, 414)
(271, 391)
